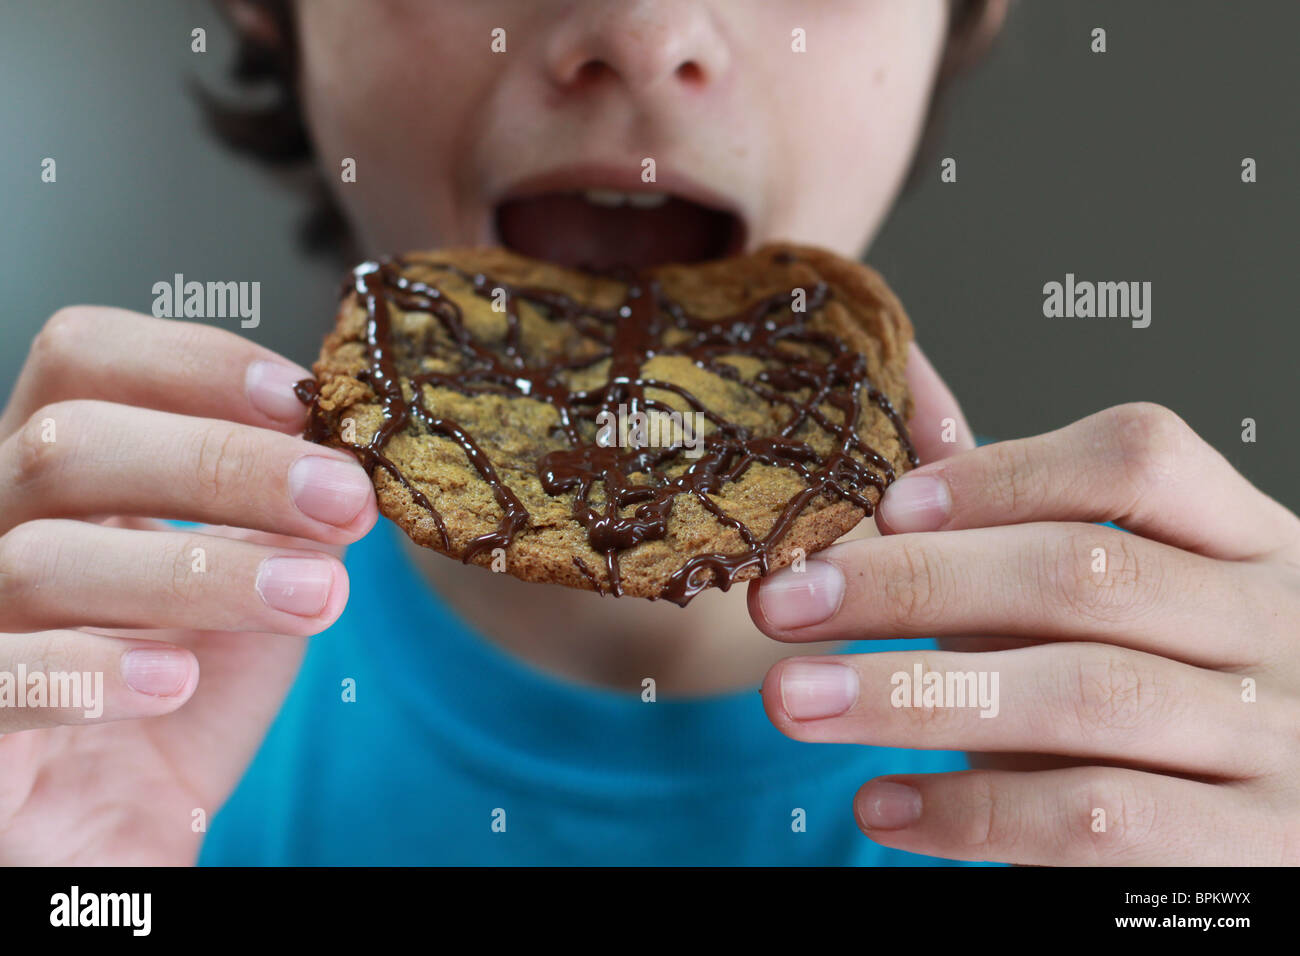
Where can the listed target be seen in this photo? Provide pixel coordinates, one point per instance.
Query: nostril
(691, 73)
(591, 73)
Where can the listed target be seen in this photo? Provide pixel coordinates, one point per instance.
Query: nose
(644, 45)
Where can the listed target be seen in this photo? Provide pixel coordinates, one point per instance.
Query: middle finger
(1040, 581)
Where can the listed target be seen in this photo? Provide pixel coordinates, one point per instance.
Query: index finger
(1138, 465)
(94, 352)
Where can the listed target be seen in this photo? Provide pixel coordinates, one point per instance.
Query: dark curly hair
(277, 133)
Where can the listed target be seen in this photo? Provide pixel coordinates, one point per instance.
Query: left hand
(1149, 712)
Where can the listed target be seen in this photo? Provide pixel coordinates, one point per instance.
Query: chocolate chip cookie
(650, 434)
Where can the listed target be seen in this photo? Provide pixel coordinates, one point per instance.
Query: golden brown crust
(516, 431)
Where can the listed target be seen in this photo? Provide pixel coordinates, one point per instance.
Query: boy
(451, 715)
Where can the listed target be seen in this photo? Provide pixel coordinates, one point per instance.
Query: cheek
(852, 116)
(371, 97)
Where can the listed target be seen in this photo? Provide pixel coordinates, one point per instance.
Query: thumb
(937, 426)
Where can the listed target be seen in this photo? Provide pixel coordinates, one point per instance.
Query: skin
(1120, 691)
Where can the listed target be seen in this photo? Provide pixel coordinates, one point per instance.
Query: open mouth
(604, 229)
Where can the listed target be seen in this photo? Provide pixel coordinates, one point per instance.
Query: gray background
(1122, 166)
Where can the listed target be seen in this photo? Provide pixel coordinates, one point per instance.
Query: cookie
(651, 435)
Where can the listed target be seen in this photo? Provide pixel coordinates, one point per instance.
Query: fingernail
(811, 690)
(916, 503)
(158, 673)
(295, 585)
(790, 599)
(329, 490)
(269, 386)
(886, 805)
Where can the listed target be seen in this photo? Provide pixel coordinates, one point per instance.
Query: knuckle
(1131, 814)
(189, 348)
(220, 461)
(24, 556)
(932, 721)
(69, 664)
(1151, 441)
(916, 584)
(1013, 490)
(989, 820)
(1112, 694)
(178, 573)
(63, 333)
(51, 652)
(35, 448)
(1126, 584)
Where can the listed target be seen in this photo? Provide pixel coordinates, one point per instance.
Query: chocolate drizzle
(638, 490)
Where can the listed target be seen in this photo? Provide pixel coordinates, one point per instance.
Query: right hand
(117, 420)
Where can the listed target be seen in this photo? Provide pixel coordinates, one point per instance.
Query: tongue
(566, 229)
